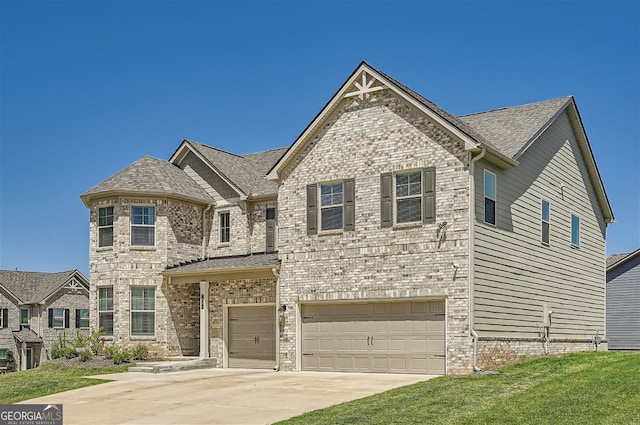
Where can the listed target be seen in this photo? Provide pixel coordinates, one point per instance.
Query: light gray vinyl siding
(515, 273)
(623, 306)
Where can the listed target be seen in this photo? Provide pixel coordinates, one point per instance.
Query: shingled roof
(246, 172)
(150, 175)
(35, 287)
(228, 263)
(511, 130)
(615, 260)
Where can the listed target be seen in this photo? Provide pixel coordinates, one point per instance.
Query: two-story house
(391, 236)
(36, 309)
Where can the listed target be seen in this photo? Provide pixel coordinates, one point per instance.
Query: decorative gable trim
(362, 82)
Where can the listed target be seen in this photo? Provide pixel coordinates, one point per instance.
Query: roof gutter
(205, 234)
(472, 231)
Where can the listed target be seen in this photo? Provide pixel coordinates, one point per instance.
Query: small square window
(58, 318)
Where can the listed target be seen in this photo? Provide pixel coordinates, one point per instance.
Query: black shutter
(5, 317)
(349, 204)
(312, 209)
(66, 317)
(271, 230)
(77, 319)
(50, 317)
(386, 200)
(429, 195)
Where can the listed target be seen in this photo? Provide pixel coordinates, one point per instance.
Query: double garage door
(397, 337)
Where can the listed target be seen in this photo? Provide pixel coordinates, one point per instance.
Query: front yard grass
(50, 378)
(581, 388)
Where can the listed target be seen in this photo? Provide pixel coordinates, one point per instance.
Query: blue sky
(89, 87)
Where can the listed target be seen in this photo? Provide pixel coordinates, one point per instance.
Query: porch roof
(226, 265)
(28, 336)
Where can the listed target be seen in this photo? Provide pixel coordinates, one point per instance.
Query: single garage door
(252, 336)
(398, 337)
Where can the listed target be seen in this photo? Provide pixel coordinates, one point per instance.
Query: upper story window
(59, 318)
(225, 227)
(143, 305)
(270, 230)
(545, 215)
(105, 309)
(489, 197)
(4, 318)
(105, 226)
(82, 318)
(336, 209)
(143, 226)
(575, 230)
(408, 197)
(24, 317)
(331, 196)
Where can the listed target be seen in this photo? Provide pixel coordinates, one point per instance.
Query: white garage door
(252, 336)
(399, 337)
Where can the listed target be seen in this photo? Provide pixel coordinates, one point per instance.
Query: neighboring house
(390, 237)
(623, 301)
(36, 309)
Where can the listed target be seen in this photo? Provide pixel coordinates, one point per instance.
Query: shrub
(140, 352)
(121, 357)
(110, 351)
(61, 348)
(96, 343)
(85, 355)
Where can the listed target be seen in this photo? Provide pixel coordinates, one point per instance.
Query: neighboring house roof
(28, 336)
(150, 176)
(36, 287)
(251, 261)
(245, 173)
(616, 260)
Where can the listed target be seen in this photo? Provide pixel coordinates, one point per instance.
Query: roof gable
(36, 287)
(365, 81)
(150, 175)
(244, 173)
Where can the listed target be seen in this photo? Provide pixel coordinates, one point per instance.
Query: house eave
(195, 276)
(88, 198)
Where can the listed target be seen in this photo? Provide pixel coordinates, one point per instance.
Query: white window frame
(108, 225)
(106, 311)
(55, 318)
(491, 198)
(80, 319)
(224, 228)
(575, 242)
(408, 196)
(544, 221)
(143, 225)
(144, 310)
(331, 205)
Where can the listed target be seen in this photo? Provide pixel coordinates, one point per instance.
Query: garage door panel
(403, 337)
(252, 338)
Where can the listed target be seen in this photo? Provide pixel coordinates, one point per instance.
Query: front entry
(252, 336)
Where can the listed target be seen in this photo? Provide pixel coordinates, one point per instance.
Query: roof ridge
(214, 148)
(504, 108)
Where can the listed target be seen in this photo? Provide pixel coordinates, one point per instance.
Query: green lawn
(50, 378)
(583, 388)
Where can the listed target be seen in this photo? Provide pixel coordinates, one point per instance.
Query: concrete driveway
(216, 396)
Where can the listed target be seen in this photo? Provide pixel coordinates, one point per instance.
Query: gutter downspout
(204, 230)
(472, 222)
(276, 273)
